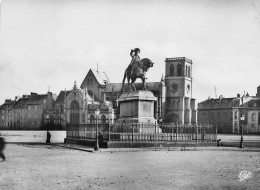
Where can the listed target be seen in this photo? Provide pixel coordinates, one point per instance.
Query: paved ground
(55, 167)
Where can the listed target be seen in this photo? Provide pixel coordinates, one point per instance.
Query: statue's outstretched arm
(131, 53)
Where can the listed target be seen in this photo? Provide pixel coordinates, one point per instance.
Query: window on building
(168, 103)
(92, 119)
(178, 104)
(179, 70)
(235, 114)
(186, 71)
(258, 118)
(103, 119)
(173, 104)
(189, 75)
(204, 114)
(253, 117)
(212, 115)
(172, 70)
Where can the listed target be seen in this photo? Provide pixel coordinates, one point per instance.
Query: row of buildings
(174, 104)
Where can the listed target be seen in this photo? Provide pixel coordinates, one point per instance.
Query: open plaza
(36, 165)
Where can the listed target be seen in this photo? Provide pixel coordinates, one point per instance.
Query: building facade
(226, 113)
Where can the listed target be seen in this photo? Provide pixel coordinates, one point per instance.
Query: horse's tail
(123, 81)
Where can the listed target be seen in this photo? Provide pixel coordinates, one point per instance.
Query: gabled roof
(116, 87)
(61, 96)
(100, 77)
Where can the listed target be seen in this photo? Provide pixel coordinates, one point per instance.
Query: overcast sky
(46, 43)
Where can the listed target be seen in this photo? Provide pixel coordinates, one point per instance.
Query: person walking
(2, 146)
(48, 140)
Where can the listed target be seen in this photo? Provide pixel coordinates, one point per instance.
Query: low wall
(115, 144)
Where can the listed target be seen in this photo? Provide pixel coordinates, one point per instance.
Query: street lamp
(96, 147)
(242, 118)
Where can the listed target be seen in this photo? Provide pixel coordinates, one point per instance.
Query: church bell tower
(178, 81)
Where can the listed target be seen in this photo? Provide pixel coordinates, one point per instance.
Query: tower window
(179, 70)
(253, 117)
(172, 70)
(186, 71)
(189, 75)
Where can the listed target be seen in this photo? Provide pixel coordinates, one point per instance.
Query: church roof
(60, 98)
(100, 77)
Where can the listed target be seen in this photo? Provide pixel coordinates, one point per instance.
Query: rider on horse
(136, 69)
(135, 57)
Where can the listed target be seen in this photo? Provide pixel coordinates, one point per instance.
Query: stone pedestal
(137, 106)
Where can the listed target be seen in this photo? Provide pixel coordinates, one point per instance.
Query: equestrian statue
(137, 69)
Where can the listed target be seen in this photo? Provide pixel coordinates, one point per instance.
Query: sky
(46, 44)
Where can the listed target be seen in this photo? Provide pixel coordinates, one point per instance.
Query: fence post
(108, 132)
(177, 132)
(85, 131)
(216, 133)
(155, 132)
(67, 130)
(132, 124)
(196, 133)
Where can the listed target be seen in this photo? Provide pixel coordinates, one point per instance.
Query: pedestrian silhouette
(48, 140)
(100, 138)
(2, 146)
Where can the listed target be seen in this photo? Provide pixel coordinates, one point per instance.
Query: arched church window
(189, 72)
(74, 112)
(103, 119)
(179, 70)
(173, 104)
(92, 119)
(186, 71)
(178, 104)
(172, 70)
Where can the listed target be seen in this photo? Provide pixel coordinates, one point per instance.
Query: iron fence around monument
(138, 132)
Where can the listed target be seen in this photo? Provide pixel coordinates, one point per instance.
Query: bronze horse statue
(137, 70)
